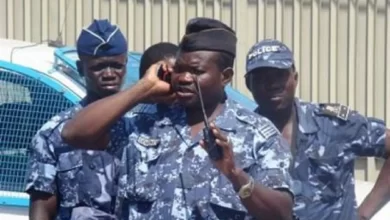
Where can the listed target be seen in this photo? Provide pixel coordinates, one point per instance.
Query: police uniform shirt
(168, 175)
(329, 139)
(84, 181)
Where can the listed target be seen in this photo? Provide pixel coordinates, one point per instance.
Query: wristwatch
(247, 189)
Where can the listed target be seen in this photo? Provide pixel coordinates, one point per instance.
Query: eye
(197, 71)
(178, 69)
(118, 66)
(98, 67)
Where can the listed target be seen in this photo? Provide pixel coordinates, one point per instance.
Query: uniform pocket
(326, 165)
(224, 201)
(69, 168)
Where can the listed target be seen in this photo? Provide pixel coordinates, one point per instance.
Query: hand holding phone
(164, 75)
(220, 150)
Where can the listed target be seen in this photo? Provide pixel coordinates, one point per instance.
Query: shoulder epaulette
(335, 110)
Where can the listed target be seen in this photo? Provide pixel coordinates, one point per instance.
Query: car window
(25, 105)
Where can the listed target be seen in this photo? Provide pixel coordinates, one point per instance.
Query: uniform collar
(305, 113)
(227, 119)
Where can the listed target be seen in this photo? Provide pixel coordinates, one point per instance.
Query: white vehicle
(33, 73)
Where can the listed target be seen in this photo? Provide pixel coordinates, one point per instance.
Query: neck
(281, 117)
(195, 115)
(91, 97)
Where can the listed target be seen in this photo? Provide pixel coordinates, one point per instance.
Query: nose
(186, 78)
(270, 78)
(108, 72)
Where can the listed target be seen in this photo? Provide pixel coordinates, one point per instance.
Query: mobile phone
(163, 75)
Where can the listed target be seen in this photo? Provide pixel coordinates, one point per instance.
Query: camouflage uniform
(329, 139)
(169, 176)
(85, 181)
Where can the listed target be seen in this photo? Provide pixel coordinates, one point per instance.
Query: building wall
(340, 46)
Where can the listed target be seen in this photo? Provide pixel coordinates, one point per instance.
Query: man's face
(200, 66)
(272, 88)
(104, 75)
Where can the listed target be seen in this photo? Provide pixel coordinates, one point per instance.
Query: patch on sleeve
(268, 130)
(335, 110)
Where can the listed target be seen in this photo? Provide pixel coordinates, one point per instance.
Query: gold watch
(247, 189)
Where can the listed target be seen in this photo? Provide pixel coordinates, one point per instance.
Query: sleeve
(369, 137)
(274, 157)
(41, 173)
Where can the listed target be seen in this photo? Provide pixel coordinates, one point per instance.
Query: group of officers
(140, 152)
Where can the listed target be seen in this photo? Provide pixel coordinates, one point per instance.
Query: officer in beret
(169, 172)
(66, 183)
(325, 139)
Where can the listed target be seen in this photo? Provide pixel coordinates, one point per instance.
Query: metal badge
(147, 141)
(337, 110)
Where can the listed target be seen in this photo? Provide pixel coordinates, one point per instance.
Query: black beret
(208, 34)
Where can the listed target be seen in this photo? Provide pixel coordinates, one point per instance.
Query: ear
(80, 68)
(296, 78)
(248, 82)
(227, 76)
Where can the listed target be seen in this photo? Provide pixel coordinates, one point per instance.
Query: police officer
(159, 52)
(325, 139)
(65, 183)
(169, 175)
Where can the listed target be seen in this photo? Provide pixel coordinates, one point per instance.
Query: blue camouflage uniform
(84, 181)
(168, 175)
(329, 137)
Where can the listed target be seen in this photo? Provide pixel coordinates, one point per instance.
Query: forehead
(96, 60)
(262, 71)
(196, 58)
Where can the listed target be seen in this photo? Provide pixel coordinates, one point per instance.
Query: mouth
(184, 92)
(276, 96)
(110, 85)
(184, 95)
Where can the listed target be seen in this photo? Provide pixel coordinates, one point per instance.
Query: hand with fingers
(159, 90)
(226, 164)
